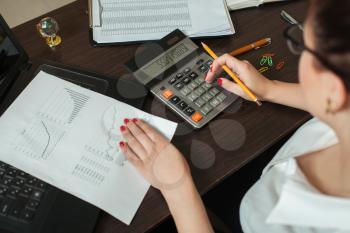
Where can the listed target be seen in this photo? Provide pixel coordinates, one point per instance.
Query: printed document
(139, 20)
(68, 136)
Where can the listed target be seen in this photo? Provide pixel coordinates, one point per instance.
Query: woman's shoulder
(314, 135)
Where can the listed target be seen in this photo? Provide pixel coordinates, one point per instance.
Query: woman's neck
(342, 130)
(341, 157)
(329, 170)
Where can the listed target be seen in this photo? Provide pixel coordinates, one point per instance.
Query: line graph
(49, 125)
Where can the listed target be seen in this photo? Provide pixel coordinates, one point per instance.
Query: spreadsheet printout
(139, 20)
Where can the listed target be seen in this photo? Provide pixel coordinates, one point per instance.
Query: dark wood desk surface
(233, 139)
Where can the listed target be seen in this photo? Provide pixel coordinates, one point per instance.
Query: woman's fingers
(151, 132)
(213, 72)
(133, 143)
(129, 154)
(139, 134)
(233, 63)
(232, 87)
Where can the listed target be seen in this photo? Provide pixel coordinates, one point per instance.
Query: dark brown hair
(330, 21)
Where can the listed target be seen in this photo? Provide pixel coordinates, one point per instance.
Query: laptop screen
(9, 55)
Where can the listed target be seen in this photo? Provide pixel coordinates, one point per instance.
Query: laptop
(27, 204)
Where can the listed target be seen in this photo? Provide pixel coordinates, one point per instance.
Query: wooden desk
(229, 145)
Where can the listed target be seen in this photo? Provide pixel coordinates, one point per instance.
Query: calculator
(174, 69)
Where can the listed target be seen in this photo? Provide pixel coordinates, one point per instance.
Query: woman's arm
(165, 168)
(288, 94)
(187, 209)
(274, 91)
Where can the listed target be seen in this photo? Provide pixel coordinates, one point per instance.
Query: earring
(329, 106)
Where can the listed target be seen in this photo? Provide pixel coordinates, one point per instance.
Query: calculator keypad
(182, 105)
(179, 85)
(203, 68)
(189, 111)
(185, 91)
(168, 94)
(190, 94)
(175, 99)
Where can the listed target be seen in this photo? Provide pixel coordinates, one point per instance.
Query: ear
(335, 91)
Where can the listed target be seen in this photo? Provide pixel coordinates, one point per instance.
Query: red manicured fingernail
(126, 120)
(219, 82)
(122, 144)
(211, 68)
(134, 120)
(122, 128)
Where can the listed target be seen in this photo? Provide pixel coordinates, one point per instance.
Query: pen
(249, 47)
(287, 17)
(233, 76)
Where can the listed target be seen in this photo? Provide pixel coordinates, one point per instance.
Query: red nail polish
(122, 128)
(121, 144)
(126, 120)
(134, 120)
(219, 82)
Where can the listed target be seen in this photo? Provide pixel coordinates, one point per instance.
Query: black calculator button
(193, 75)
(209, 62)
(172, 80)
(182, 105)
(179, 85)
(175, 99)
(187, 70)
(203, 68)
(186, 80)
(200, 61)
(179, 75)
(189, 111)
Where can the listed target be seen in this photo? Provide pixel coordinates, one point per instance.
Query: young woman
(306, 187)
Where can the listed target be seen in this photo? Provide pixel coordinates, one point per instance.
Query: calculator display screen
(169, 58)
(166, 60)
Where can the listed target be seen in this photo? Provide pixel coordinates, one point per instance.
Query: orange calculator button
(196, 117)
(167, 94)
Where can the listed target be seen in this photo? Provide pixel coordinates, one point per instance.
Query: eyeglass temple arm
(287, 17)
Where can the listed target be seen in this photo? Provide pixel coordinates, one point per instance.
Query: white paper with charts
(68, 136)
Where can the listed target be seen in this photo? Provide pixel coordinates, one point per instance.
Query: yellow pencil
(233, 76)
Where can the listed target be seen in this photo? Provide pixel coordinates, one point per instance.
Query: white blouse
(282, 200)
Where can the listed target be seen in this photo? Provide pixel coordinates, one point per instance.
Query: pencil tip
(203, 44)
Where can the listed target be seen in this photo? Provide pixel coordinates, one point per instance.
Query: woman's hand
(156, 159)
(256, 82)
(164, 167)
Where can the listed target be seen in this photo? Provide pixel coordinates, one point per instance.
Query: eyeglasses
(295, 42)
